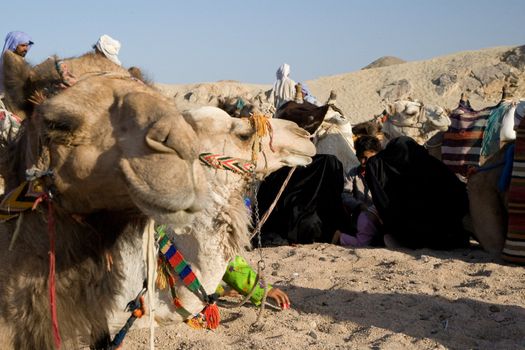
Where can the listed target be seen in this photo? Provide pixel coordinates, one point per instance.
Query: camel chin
(155, 192)
(296, 160)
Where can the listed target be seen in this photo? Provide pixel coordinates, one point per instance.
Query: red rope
(51, 277)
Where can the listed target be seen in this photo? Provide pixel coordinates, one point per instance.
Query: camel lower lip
(175, 218)
(158, 199)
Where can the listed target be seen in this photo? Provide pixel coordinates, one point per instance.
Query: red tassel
(212, 315)
(51, 276)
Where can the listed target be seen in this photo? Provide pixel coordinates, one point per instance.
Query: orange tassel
(212, 315)
(139, 312)
(194, 323)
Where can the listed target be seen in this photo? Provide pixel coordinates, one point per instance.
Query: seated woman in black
(310, 208)
(420, 201)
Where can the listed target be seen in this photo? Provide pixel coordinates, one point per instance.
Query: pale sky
(209, 40)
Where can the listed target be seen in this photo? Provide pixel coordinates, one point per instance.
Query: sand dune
(365, 93)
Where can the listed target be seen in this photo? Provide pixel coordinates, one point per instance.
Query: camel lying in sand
(109, 153)
(331, 129)
(219, 231)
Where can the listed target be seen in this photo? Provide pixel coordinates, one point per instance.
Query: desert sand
(370, 299)
(377, 298)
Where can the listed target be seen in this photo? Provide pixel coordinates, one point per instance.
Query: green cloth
(241, 277)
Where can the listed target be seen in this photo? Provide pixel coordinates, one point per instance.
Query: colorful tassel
(212, 315)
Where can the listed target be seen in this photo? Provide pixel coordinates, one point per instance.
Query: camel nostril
(159, 146)
(157, 137)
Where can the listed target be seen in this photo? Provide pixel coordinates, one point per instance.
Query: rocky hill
(364, 93)
(384, 61)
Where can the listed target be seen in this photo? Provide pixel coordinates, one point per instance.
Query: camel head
(220, 133)
(414, 119)
(415, 113)
(111, 141)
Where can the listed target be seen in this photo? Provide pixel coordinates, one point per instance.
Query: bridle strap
(223, 162)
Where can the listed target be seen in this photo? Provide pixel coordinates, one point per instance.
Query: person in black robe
(310, 208)
(420, 201)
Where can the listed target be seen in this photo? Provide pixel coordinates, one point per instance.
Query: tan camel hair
(414, 119)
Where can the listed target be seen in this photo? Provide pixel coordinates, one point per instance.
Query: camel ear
(16, 79)
(388, 108)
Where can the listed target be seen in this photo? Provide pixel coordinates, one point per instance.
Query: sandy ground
(370, 299)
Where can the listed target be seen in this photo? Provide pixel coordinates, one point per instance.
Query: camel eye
(242, 129)
(58, 125)
(245, 137)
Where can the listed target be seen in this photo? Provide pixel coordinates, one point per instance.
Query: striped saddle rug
(462, 141)
(514, 249)
(471, 134)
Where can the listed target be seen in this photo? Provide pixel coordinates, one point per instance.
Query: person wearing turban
(284, 87)
(17, 42)
(108, 47)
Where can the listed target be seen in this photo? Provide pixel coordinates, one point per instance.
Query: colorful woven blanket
(491, 136)
(514, 249)
(462, 141)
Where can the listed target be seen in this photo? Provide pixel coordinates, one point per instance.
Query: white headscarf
(283, 72)
(109, 47)
(284, 87)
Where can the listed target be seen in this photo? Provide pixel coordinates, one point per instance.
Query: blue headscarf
(13, 39)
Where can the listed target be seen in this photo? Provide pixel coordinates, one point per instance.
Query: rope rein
(259, 225)
(29, 195)
(262, 126)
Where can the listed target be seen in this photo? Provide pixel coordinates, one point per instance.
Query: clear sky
(246, 40)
